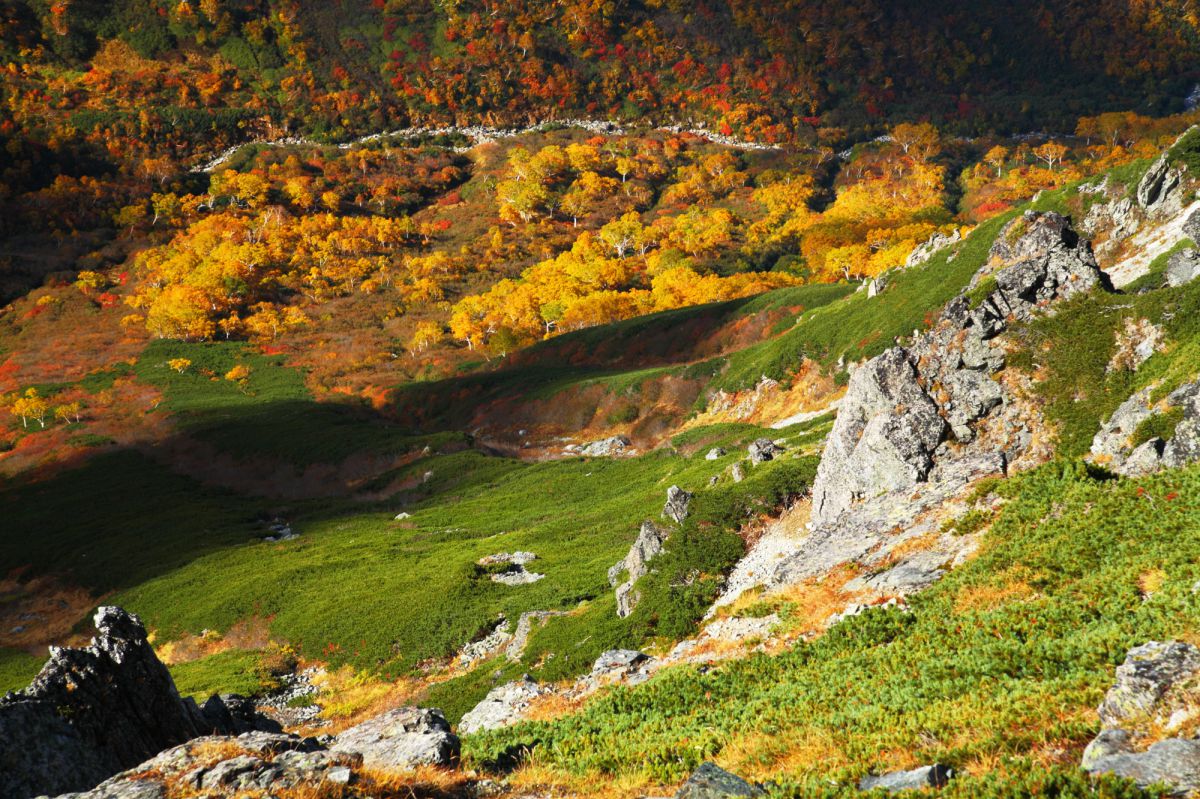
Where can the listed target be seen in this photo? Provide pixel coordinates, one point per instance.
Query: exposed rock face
(710, 781)
(1158, 184)
(884, 437)
(635, 564)
(94, 711)
(900, 405)
(502, 706)
(935, 776)
(520, 637)
(1136, 343)
(763, 450)
(1183, 267)
(678, 503)
(1154, 692)
(263, 762)
(402, 739)
(1191, 227)
(935, 244)
(617, 661)
(1113, 444)
(715, 453)
(614, 445)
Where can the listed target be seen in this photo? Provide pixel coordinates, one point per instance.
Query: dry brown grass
(41, 611)
(814, 601)
(534, 778)
(349, 697)
(793, 752)
(992, 596)
(252, 633)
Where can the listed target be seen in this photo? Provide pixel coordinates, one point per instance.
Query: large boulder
(1154, 694)
(886, 431)
(935, 776)
(634, 565)
(1183, 266)
(901, 405)
(1159, 182)
(503, 706)
(250, 764)
(678, 504)
(606, 447)
(94, 711)
(1147, 676)
(710, 781)
(402, 739)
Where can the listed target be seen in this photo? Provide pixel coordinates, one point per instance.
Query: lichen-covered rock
(402, 739)
(1174, 761)
(1183, 267)
(931, 247)
(95, 711)
(714, 454)
(763, 450)
(710, 781)
(886, 431)
(1154, 692)
(1149, 672)
(1158, 184)
(678, 504)
(900, 405)
(503, 706)
(635, 564)
(1136, 343)
(935, 776)
(606, 447)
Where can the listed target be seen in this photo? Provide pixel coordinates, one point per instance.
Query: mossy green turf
(17, 668)
(952, 681)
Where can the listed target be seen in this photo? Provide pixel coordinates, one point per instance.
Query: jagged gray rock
(1174, 761)
(710, 781)
(95, 711)
(1160, 180)
(618, 660)
(935, 776)
(1112, 444)
(264, 762)
(1149, 672)
(1157, 680)
(900, 405)
(678, 503)
(763, 450)
(1191, 226)
(874, 447)
(646, 546)
(612, 445)
(934, 244)
(402, 739)
(504, 705)
(1183, 266)
(715, 453)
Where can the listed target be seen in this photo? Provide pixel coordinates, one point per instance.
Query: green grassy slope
(1000, 663)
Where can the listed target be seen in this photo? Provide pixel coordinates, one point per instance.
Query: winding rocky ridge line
(480, 134)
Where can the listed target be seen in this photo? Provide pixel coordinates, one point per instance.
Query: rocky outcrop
(503, 706)
(1136, 343)
(903, 404)
(634, 565)
(1154, 694)
(1158, 184)
(1114, 444)
(714, 454)
(226, 766)
(401, 739)
(512, 568)
(763, 450)
(931, 247)
(935, 776)
(1183, 267)
(710, 781)
(607, 447)
(95, 711)
(678, 504)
